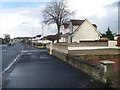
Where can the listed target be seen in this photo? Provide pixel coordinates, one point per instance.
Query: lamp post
(42, 35)
(32, 31)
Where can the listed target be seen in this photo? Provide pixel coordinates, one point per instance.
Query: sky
(21, 18)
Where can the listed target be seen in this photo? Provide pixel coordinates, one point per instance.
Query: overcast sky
(23, 17)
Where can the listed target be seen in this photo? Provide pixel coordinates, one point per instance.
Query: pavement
(37, 69)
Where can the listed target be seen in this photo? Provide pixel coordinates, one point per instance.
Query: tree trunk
(52, 41)
(58, 32)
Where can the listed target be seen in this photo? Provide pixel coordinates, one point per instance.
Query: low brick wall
(94, 70)
(84, 43)
(98, 57)
(58, 47)
(81, 59)
(59, 55)
(118, 41)
(88, 43)
(95, 51)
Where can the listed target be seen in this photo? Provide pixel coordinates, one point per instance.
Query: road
(0, 58)
(9, 53)
(37, 69)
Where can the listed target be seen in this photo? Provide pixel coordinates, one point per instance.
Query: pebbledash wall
(79, 59)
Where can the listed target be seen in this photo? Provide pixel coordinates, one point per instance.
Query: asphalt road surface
(9, 53)
(0, 58)
(38, 69)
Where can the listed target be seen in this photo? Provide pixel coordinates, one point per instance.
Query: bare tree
(56, 12)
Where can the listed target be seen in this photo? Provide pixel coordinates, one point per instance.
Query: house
(79, 30)
(116, 36)
(52, 38)
(1, 40)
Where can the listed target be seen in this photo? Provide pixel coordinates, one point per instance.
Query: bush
(29, 42)
(38, 44)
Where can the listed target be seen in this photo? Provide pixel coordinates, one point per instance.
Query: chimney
(95, 25)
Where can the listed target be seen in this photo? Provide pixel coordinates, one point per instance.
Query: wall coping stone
(106, 62)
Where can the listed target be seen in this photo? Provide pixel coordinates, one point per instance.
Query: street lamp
(32, 31)
(42, 35)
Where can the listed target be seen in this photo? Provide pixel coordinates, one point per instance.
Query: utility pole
(32, 32)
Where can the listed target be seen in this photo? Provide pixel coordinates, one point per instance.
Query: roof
(51, 37)
(77, 22)
(80, 22)
(117, 35)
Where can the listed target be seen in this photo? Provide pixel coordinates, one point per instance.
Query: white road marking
(33, 50)
(29, 53)
(12, 63)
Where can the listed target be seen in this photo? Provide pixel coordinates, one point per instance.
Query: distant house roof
(77, 22)
(117, 35)
(51, 37)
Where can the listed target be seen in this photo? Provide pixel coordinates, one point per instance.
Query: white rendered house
(79, 30)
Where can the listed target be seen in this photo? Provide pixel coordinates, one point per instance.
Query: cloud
(11, 21)
(102, 12)
(89, 7)
(25, 1)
